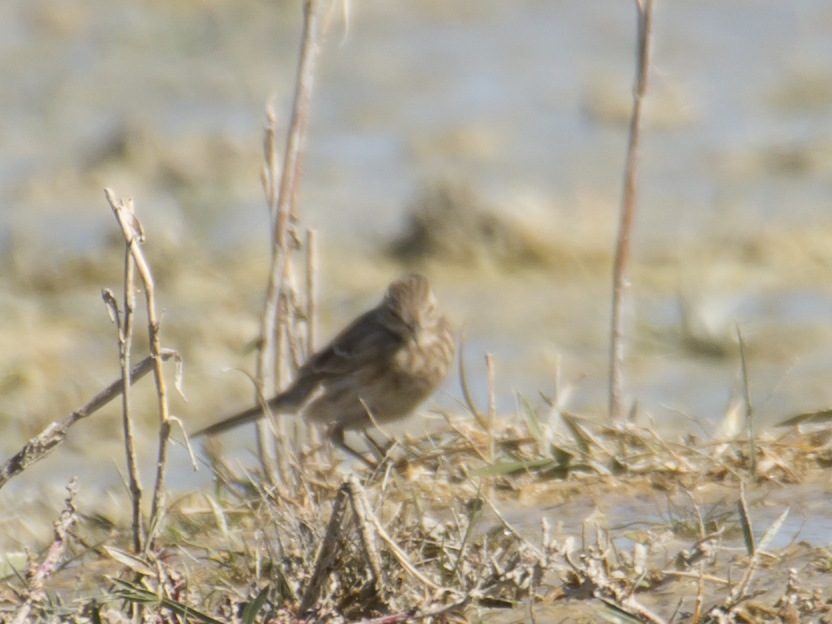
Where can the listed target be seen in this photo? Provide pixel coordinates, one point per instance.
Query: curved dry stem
(50, 438)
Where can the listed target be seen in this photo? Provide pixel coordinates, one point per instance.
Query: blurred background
(479, 141)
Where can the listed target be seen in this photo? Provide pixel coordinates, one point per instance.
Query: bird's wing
(364, 340)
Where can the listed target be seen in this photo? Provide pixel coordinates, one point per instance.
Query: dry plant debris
(423, 538)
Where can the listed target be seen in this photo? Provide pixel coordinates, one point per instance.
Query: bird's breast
(426, 360)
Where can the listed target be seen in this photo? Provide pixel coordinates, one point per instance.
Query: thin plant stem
(749, 409)
(311, 311)
(311, 290)
(622, 252)
(271, 348)
(50, 438)
(492, 405)
(125, 339)
(130, 229)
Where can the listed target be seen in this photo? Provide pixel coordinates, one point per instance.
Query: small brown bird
(386, 362)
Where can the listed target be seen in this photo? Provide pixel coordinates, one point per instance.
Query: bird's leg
(380, 449)
(337, 437)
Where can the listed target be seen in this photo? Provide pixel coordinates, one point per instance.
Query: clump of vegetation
(426, 536)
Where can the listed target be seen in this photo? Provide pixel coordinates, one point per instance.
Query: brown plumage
(387, 361)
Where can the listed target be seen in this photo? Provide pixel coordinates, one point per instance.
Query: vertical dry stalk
(311, 310)
(125, 343)
(268, 329)
(131, 230)
(749, 409)
(282, 206)
(622, 252)
(311, 290)
(270, 166)
(492, 405)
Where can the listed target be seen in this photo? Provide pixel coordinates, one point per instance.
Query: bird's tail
(286, 402)
(236, 420)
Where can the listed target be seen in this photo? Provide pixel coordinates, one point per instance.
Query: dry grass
(426, 536)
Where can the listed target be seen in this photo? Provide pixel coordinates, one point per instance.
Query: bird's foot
(381, 451)
(337, 437)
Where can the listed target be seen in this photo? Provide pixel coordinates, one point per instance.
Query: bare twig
(622, 252)
(124, 327)
(132, 235)
(45, 442)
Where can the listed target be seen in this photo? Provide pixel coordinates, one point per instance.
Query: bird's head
(412, 305)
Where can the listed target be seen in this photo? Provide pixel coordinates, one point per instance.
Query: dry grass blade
(749, 410)
(463, 381)
(219, 517)
(582, 440)
(500, 468)
(136, 564)
(770, 533)
(533, 423)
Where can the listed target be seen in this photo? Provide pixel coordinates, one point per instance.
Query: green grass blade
(253, 608)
